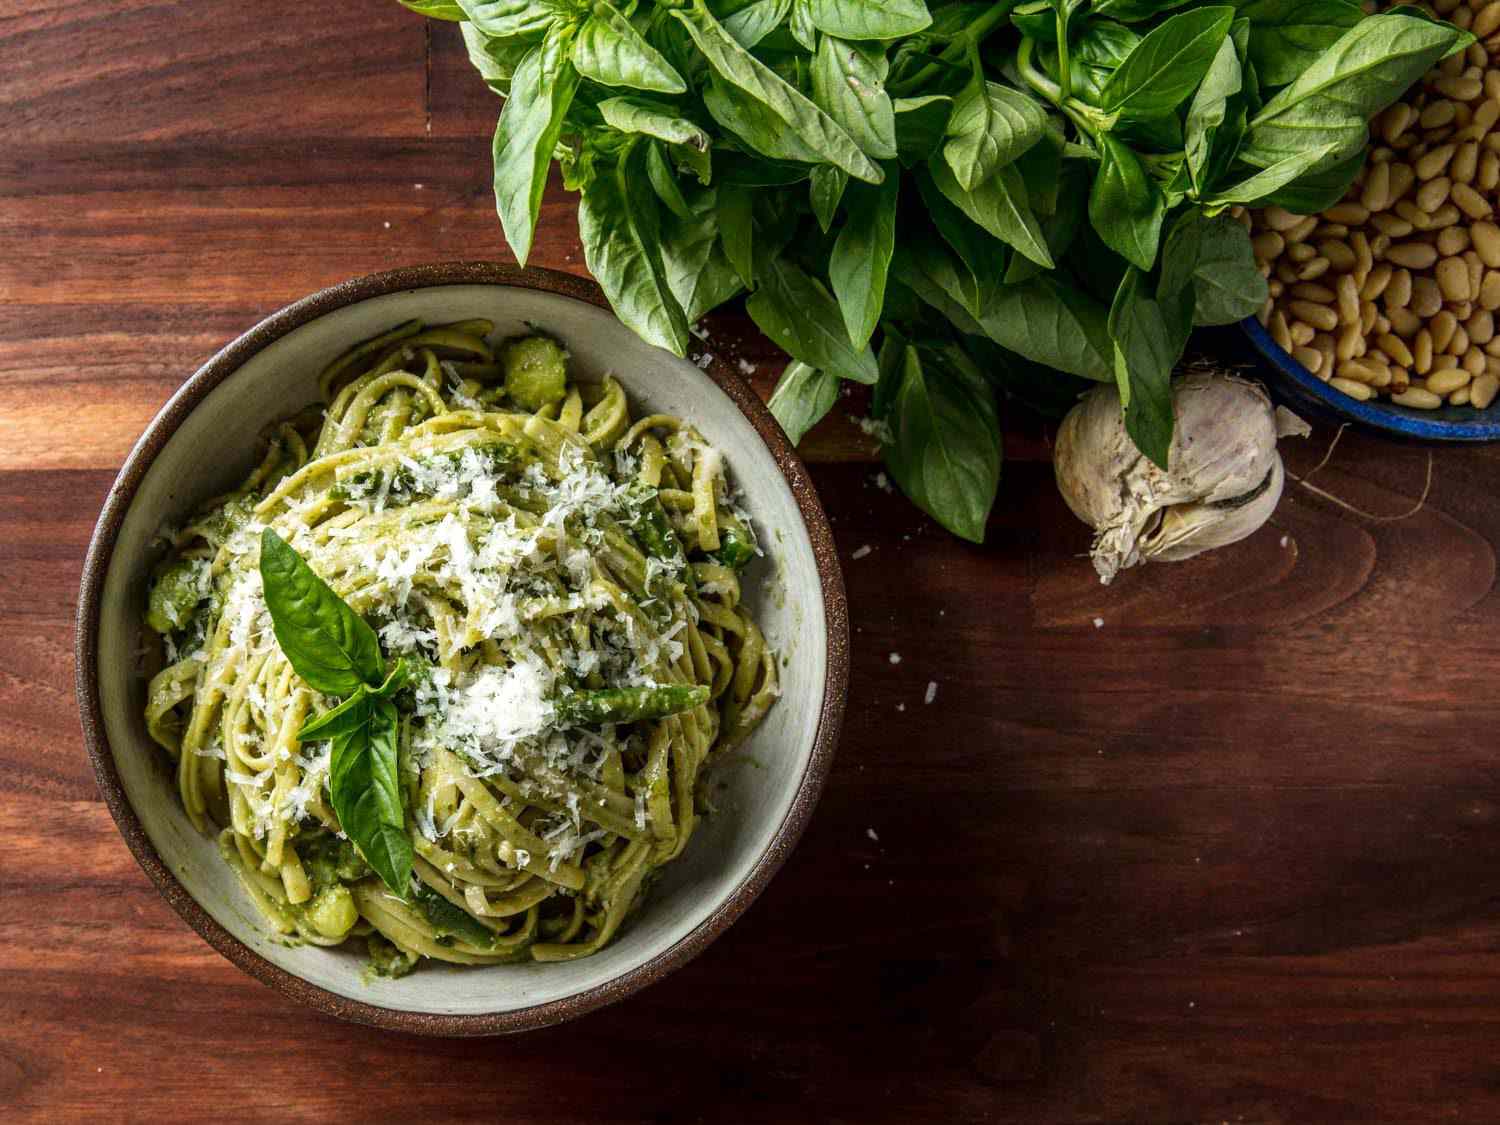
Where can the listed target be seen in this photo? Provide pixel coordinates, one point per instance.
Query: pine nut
(1374, 286)
(1369, 317)
(1359, 371)
(1447, 381)
(1396, 348)
(1300, 253)
(1302, 333)
(1413, 255)
(1364, 258)
(1453, 240)
(1459, 397)
(1453, 279)
(1404, 322)
(1398, 292)
(1430, 164)
(1465, 163)
(1353, 390)
(1268, 244)
(1301, 230)
(1488, 176)
(1395, 226)
(1347, 212)
(1348, 299)
(1374, 196)
(1312, 291)
(1417, 398)
(1280, 332)
(1459, 89)
(1320, 317)
(1403, 176)
(1443, 326)
(1339, 254)
(1426, 297)
(1421, 350)
(1279, 219)
(1434, 193)
(1437, 114)
(1313, 268)
(1486, 21)
(1444, 216)
(1483, 392)
(1470, 202)
(1486, 238)
(1481, 327)
(1310, 358)
(1394, 121)
(1474, 362)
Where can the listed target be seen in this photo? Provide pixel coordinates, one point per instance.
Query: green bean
(629, 705)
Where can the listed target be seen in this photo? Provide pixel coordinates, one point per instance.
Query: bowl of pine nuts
(1384, 306)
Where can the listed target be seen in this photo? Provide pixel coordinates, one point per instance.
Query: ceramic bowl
(204, 441)
(1310, 396)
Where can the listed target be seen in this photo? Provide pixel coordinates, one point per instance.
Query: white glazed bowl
(204, 440)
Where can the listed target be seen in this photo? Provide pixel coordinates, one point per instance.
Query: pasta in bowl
(459, 672)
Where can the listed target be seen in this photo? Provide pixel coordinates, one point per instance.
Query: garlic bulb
(1224, 482)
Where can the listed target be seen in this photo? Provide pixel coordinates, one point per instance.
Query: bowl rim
(1390, 418)
(221, 366)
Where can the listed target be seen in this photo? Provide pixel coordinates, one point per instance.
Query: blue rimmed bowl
(1310, 396)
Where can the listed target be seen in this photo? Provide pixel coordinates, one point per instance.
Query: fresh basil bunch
(336, 652)
(1010, 195)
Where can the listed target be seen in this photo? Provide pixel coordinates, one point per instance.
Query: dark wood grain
(1230, 854)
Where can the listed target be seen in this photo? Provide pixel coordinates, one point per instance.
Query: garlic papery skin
(1224, 481)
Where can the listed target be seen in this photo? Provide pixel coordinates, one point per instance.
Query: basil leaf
(327, 643)
(920, 124)
(945, 439)
(762, 85)
(349, 715)
(504, 19)
(828, 184)
(694, 260)
(1100, 50)
(629, 115)
(610, 51)
(801, 317)
(1288, 36)
(801, 27)
(1125, 206)
(861, 256)
(435, 9)
(1277, 176)
(365, 791)
(1134, 11)
(1050, 322)
(1208, 110)
(754, 22)
(983, 258)
(1168, 64)
(848, 81)
(1000, 205)
(619, 226)
(664, 181)
(450, 921)
(1367, 69)
(868, 19)
(495, 59)
(1318, 190)
(1214, 257)
(803, 395)
(737, 230)
(991, 126)
(935, 276)
(754, 123)
(1148, 340)
(530, 124)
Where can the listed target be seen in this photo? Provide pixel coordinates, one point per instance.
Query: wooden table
(1220, 842)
